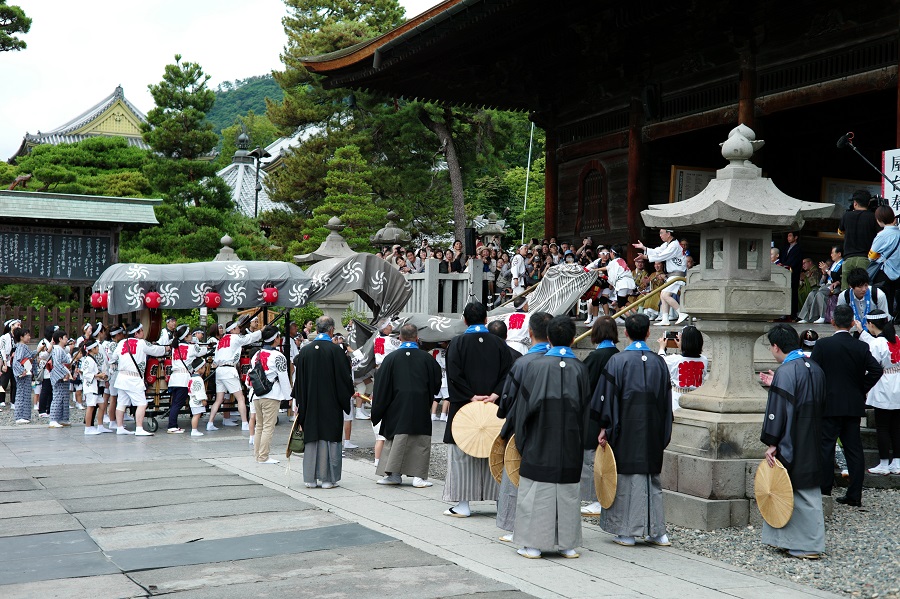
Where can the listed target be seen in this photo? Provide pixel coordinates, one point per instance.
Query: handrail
(515, 297)
(631, 306)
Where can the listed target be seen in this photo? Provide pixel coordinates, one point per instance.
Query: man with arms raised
(405, 386)
(633, 402)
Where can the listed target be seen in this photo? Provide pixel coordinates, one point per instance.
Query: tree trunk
(448, 148)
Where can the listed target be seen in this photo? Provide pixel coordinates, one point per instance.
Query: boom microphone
(845, 140)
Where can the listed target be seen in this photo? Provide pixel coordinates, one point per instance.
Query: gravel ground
(862, 556)
(437, 470)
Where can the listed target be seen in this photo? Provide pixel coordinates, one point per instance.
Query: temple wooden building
(635, 97)
(113, 116)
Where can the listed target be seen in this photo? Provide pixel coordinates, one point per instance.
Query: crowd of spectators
(540, 256)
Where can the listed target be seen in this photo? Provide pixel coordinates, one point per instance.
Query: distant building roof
(240, 176)
(112, 116)
(132, 213)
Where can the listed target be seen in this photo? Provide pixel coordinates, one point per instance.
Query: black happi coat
(551, 415)
(323, 387)
(793, 420)
(596, 362)
(633, 402)
(507, 402)
(477, 364)
(405, 386)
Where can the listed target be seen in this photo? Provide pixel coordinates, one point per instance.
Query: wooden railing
(37, 319)
(439, 294)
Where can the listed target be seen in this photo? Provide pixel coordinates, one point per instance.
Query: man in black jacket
(322, 387)
(405, 386)
(850, 371)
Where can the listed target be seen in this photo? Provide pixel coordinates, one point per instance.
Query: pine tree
(12, 20)
(348, 195)
(183, 140)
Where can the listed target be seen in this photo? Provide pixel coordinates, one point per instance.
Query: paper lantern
(270, 295)
(212, 300)
(96, 300)
(104, 300)
(151, 300)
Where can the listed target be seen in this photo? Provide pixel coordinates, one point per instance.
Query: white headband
(91, 346)
(232, 326)
(135, 329)
(272, 338)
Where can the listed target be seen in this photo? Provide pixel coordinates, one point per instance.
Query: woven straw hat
(774, 494)
(605, 476)
(511, 461)
(495, 461)
(475, 427)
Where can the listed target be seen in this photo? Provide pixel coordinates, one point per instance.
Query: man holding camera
(858, 227)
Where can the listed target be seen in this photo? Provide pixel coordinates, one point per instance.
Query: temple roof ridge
(93, 112)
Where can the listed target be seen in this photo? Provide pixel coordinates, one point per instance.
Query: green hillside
(236, 98)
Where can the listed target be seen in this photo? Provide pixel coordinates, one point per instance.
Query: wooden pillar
(635, 167)
(747, 100)
(551, 187)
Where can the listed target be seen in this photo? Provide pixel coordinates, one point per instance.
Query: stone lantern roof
(738, 196)
(490, 225)
(390, 234)
(334, 245)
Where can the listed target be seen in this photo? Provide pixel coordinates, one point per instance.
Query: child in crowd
(197, 394)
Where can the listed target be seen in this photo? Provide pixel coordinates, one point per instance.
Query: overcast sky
(79, 51)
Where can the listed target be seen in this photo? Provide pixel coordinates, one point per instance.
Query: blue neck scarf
(834, 268)
(476, 328)
(409, 345)
(794, 355)
(539, 348)
(638, 346)
(561, 352)
(323, 337)
(606, 343)
(853, 304)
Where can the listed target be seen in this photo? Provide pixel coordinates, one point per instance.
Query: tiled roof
(92, 113)
(57, 138)
(241, 178)
(77, 208)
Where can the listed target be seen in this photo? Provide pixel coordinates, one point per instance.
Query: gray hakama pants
(468, 478)
(23, 398)
(588, 490)
(406, 454)
(805, 531)
(548, 515)
(506, 504)
(638, 508)
(322, 462)
(59, 407)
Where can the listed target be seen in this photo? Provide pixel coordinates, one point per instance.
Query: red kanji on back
(180, 352)
(225, 341)
(895, 351)
(516, 320)
(129, 347)
(264, 359)
(690, 373)
(379, 345)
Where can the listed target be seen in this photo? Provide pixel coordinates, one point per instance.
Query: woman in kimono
(59, 378)
(22, 367)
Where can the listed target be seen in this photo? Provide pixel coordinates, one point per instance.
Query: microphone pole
(847, 140)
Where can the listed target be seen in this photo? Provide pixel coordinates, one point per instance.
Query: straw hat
(774, 494)
(495, 461)
(605, 476)
(475, 427)
(511, 461)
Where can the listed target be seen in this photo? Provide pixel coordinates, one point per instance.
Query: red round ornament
(270, 295)
(151, 300)
(212, 300)
(104, 300)
(96, 300)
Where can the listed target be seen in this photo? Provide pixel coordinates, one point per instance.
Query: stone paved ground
(115, 516)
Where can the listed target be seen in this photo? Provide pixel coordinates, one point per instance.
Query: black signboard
(64, 256)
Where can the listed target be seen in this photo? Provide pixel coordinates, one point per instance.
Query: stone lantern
(335, 247)
(735, 293)
(490, 227)
(390, 234)
(226, 254)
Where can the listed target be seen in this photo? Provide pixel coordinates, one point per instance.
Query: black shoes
(847, 501)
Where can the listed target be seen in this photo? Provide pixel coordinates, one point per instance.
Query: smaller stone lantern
(490, 227)
(390, 234)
